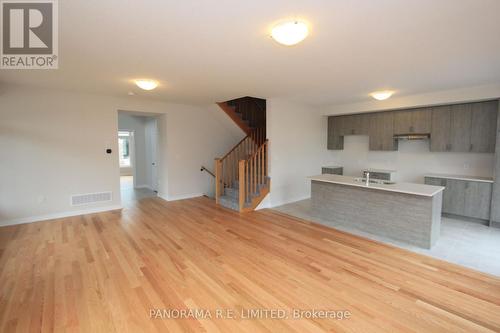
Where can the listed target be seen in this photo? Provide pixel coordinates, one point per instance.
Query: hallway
(129, 194)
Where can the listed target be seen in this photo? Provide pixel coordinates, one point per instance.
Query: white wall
(412, 160)
(53, 145)
(297, 136)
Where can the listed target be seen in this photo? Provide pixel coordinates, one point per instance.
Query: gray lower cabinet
(454, 197)
(478, 200)
(379, 175)
(382, 132)
(464, 197)
(332, 170)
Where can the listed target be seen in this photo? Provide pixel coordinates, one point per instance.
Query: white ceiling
(207, 51)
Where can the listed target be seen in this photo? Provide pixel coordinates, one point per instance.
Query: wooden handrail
(208, 171)
(239, 143)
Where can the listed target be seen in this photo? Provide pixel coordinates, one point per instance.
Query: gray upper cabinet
(451, 128)
(355, 124)
(361, 124)
(468, 127)
(335, 139)
(403, 122)
(441, 128)
(416, 121)
(421, 120)
(461, 123)
(382, 131)
(340, 126)
(483, 129)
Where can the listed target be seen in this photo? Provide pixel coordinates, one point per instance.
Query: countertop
(460, 177)
(407, 188)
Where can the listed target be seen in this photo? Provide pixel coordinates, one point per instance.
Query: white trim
(180, 197)
(32, 219)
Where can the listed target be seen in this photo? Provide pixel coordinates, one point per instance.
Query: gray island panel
(414, 219)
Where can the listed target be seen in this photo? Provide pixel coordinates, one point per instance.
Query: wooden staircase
(241, 176)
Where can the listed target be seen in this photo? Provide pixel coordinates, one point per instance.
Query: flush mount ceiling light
(382, 95)
(290, 33)
(146, 84)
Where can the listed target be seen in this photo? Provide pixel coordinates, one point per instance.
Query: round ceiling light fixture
(382, 95)
(290, 33)
(146, 84)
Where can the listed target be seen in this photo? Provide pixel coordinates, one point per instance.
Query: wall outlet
(466, 166)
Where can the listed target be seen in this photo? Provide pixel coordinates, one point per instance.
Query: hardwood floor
(105, 272)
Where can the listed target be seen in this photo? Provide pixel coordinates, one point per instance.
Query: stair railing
(227, 167)
(253, 174)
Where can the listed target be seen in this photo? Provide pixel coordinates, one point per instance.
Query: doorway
(138, 156)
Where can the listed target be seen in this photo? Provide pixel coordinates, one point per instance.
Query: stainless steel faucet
(367, 175)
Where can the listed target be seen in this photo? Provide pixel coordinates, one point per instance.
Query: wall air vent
(90, 198)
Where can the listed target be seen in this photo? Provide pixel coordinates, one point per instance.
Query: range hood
(412, 136)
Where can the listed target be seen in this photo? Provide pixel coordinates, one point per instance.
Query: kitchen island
(401, 211)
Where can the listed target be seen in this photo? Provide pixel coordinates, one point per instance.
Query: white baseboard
(32, 219)
(180, 197)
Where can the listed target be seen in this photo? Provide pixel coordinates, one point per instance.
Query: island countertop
(407, 188)
(461, 177)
